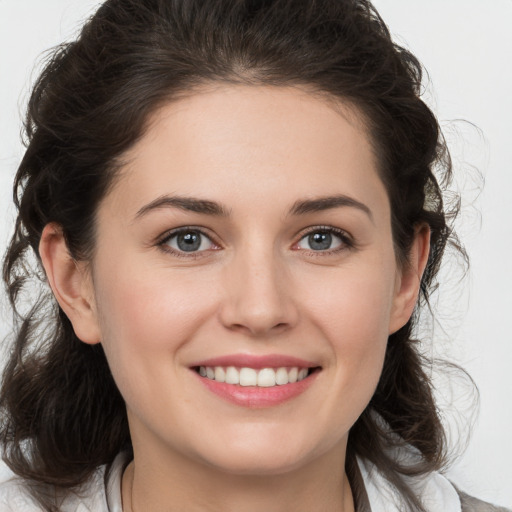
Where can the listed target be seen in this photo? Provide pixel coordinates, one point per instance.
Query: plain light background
(466, 46)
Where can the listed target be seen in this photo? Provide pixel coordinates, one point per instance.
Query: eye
(188, 240)
(324, 239)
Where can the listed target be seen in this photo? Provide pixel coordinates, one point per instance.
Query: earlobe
(70, 282)
(409, 280)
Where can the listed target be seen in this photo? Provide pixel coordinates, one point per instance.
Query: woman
(235, 208)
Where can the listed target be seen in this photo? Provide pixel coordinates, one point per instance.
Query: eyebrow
(190, 204)
(207, 207)
(326, 203)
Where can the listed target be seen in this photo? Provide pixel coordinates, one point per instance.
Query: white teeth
(232, 375)
(248, 377)
(303, 373)
(220, 374)
(265, 378)
(281, 376)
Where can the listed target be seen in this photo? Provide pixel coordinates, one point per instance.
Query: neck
(160, 485)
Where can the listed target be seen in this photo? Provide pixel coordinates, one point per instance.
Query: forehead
(250, 142)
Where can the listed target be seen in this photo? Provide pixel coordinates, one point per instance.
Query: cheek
(353, 313)
(144, 321)
(354, 307)
(159, 302)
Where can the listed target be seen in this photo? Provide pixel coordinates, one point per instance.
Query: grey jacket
(470, 504)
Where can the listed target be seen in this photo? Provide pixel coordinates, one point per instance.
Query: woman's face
(248, 230)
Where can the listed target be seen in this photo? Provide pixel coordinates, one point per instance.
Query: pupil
(190, 241)
(320, 241)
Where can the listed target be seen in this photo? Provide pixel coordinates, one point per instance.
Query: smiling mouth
(264, 377)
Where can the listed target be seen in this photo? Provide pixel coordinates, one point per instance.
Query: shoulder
(15, 496)
(471, 504)
(101, 493)
(434, 490)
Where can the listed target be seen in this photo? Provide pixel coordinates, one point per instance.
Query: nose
(258, 295)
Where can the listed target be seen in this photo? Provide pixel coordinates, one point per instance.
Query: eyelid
(347, 240)
(162, 241)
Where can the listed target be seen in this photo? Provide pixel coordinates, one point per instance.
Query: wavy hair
(62, 414)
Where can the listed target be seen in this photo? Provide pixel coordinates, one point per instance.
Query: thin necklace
(132, 477)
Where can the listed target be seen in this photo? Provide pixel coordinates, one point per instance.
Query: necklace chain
(131, 488)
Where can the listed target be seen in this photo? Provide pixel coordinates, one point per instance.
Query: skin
(255, 287)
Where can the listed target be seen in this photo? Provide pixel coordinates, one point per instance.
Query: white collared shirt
(102, 492)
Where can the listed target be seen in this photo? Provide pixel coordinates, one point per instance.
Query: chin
(259, 465)
(263, 456)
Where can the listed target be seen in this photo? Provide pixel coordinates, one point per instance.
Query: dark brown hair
(62, 415)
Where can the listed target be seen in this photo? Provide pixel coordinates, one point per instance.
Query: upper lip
(256, 361)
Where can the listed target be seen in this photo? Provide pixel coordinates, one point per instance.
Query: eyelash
(167, 237)
(347, 243)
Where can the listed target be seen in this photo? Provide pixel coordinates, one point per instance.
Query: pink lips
(257, 362)
(254, 396)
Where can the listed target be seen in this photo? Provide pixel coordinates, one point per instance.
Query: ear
(70, 282)
(409, 280)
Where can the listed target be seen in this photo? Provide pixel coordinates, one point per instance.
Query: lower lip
(258, 397)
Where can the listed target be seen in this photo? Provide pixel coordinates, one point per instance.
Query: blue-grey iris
(320, 241)
(189, 241)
